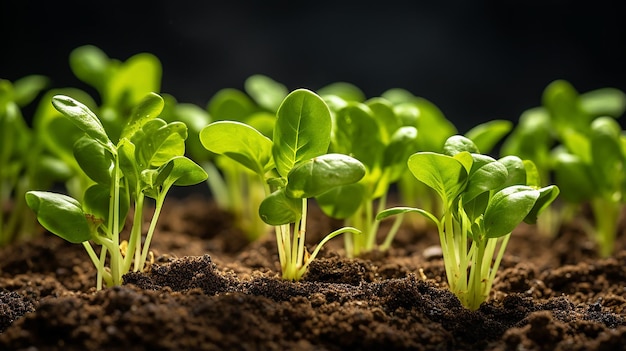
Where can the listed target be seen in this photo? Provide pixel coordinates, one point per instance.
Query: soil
(208, 289)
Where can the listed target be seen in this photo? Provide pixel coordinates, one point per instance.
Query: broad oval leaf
(184, 172)
(573, 176)
(60, 214)
(344, 90)
(94, 159)
(457, 144)
(316, 176)
(487, 135)
(444, 174)
(342, 202)
(486, 174)
(302, 130)
(133, 79)
(403, 144)
(157, 142)
(239, 142)
(508, 208)
(357, 133)
(267, 92)
(604, 102)
(516, 171)
(231, 104)
(547, 195)
(96, 202)
(82, 117)
(278, 209)
(148, 108)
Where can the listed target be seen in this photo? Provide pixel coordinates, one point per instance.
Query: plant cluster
(268, 153)
(576, 142)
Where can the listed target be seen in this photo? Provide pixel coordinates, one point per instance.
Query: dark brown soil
(209, 290)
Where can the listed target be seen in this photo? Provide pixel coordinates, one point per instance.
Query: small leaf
(342, 202)
(573, 177)
(82, 116)
(96, 202)
(302, 130)
(547, 195)
(184, 172)
(147, 109)
(157, 142)
(508, 208)
(249, 148)
(487, 135)
(320, 174)
(346, 91)
(94, 159)
(357, 133)
(517, 172)
(486, 174)
(279, 209)
(265, 91)
(133, 80)
(403, 143)
(60, 214)
(444, 174)
(232, 105)
(401, 210)
(604, 102)
(457, 144)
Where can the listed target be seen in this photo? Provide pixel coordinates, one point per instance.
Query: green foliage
(294, 166)
(24, 163)
(574, 140)
(147, 161)
(483, 200)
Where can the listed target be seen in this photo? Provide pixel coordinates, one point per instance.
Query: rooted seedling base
(208, 290)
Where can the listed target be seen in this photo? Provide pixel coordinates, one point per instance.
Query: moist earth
(209, 289)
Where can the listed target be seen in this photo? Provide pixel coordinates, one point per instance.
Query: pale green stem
(392, 232)
(606, 214)
(153, 222)
(302, 235)
(133, 251)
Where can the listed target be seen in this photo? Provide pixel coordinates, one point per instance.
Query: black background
(476, 60)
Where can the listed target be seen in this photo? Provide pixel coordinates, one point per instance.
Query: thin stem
(301, 235)
(153, 222)
(395, 227)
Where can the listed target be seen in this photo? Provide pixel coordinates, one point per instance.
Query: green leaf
(249, 148)
(184, 172)
(444, 174)
(94, 159)
(267, 93)
(486, 174)
(148, 108)
(302, 130)
(384, 115)
(92, 66)
(507, 209)
(457, 144)
(134, 79)
(316, 176)
(403, 144)
(547, 195)
(60, 214)
(346, 91)
(573, 177)
(343, 201)
(96, 202)
(358, 134)
(278, 209)
(487, 135)
(157, 142)
(231, 104)
(401, 210)
(561, 100)
(604, 102)
(26, 89)
(82, 117)
(516, 172)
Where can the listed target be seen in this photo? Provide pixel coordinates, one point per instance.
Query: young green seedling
(372, 133)
(234, 188)
(540, 129)
(294, 167)
(483, 201)
(590, 169)
(24, 164)
(146, 162)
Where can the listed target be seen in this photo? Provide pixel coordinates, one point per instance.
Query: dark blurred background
(476, 60)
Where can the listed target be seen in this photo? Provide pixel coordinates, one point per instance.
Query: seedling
(564, 112)
(146, 162)
(294, 167)
(483, 201)
(590, 169)
(24, 164)
(372, 133)
(234, 188)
